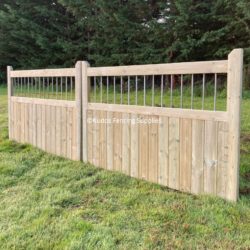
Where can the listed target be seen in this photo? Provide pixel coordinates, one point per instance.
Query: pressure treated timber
(170, 112)
(161, 69)
(43, 73)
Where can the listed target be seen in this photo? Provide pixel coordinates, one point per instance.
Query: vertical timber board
(11, 117)
(235, 78)
(117, 141)
(174, 153)
(43, 127)
(134, 155)
(221, 186)
(126, 143)
(163, 150)
(48, 134)
(96, 148)
(53, 129)
(34, 124)
(197, 156)
(69, 133)
(10, 93)
(143, 147)
(30, 123)
(153, 149)
(14, 120)
(19, 121)
(74, 136)
(26, 120)
(210, 157)
(110, 141)
(22, 122)
(185, 154)
(64, 131)
(58, 131)
(39, 127)
(103, 139)
(90, 136)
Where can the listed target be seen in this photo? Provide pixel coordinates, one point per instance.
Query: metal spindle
(101, 88)
(71, 88)
(215, 90)
(66, 87)
(144, 86)
(136, 90)
(107, 89)
(21, 86)
(128, 90)
(192, 91)
(114, 90)
(153, 90)
(43, 87)
(162, 90)
(121, 89)
(28, 86)
(39, 86)
(57, 88)
(181, 91)
(52, 82)
(61, 88)
(203, 90)
(95, 88)
(171, 90)
(48, 87)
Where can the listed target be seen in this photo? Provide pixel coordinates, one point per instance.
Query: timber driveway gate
(117, 118)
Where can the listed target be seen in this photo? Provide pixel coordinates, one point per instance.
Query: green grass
(47, 202)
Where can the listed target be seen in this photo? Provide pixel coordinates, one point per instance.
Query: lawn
(48, 202)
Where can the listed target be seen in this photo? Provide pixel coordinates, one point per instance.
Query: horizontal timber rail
(178, 113)
(44, 73)
(175, 124)
(159, 69)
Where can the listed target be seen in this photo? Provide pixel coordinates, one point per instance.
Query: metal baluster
(48, 87)
(52, 82)
(192, 91)
(71, 88)
(162, 90)
(215, 90)
(57, 88)
(121, 89)
(171, 90)
(95, 88)
(107, 89)
(101, 88)
(43, 87)
(114, 91)
(181, 91)
(153, 90)
(144, 86)
(128, 90)
(61, 88)
(203, 90)
(21, 86)
(136, 90)
(66, 87)
(39, 87)
(28, 86)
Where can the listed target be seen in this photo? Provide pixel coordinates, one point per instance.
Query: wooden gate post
(10, 93)
(234, 94)
(78, 94)
(85, 100)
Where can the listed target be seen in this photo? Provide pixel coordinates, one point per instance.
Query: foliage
(48, 202)
(35, 34)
